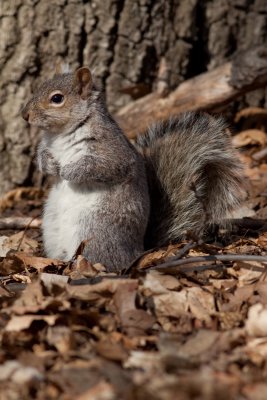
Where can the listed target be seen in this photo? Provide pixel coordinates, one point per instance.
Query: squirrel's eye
(57, 98)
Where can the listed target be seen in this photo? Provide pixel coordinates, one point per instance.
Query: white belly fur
(65, 206)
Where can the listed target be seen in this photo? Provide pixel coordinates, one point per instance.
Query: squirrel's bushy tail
(195, 177)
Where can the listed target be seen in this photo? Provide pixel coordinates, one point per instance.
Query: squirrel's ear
(62, 68)
(84, 81)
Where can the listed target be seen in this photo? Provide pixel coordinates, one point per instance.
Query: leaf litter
(157, 331)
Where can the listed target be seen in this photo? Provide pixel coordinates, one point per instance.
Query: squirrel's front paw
(68, 172)
(47, 164)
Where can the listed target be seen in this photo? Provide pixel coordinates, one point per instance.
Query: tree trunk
(134, 47)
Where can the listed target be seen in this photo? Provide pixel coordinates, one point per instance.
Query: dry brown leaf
(256, 324)
(4, 292)
(37, 262)
(151, 259)
(262, 241)
(49, 280)
(147, 362)
(256, 349)
(201, 345)
(97, 291)
(101, 391)
(256, 391)
(134, 321)
(111, 350)
(250, 137)
(10, 265)
(235, 300)
(250, 111)
(230, 319)
(262, 213)
(242, 246)
(19, 242)
(30, 301)
(247, 272)
(18, 323)
(176, 304)
(19, 373)
(86, 268)
(261, 290)
(156, 257)
(223, 284)
(3, 248)
(16, 195)
(157, 283)
(21, 278)
(171, 304)
(61, 337)
(201, 303)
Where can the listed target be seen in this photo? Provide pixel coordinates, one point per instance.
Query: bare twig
(24, 233)
(96, 279)
(219, 257)
(184, 250)
(190, 245)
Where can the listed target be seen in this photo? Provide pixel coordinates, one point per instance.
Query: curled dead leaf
(20, 322)
(38, 263)
(134, 321)
(256, 324)
(250, 137)
(18, 373)
(18, 242)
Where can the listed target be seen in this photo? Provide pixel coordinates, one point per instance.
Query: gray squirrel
(121, 197)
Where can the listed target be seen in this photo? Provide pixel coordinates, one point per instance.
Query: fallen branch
(247, 71)
(96, 279)
(19, 222)
(219, 257)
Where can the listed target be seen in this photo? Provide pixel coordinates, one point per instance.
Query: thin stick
(199, 268)
(190, 245)
(219, 257)
(24, 233)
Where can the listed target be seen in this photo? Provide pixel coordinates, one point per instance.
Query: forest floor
(164, 329)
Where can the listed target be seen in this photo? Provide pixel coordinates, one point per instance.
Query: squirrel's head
(61, 103)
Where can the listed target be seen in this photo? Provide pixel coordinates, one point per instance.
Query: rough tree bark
(210, 91)
(134, 47)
